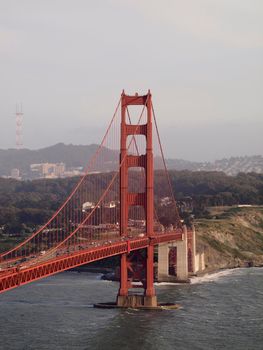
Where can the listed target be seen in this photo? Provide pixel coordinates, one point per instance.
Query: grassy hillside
(231, 237)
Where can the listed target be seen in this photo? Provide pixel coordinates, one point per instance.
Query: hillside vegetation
(26, 204)
(231, 237)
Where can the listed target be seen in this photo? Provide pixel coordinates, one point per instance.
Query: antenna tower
(19, 120)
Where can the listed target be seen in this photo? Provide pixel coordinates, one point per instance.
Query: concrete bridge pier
(163, 262)
(182, 258)
(194, 267)
(182, 271)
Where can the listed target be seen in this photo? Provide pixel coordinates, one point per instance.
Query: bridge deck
(16, 276)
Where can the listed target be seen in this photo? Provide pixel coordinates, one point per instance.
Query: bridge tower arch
(144, 199)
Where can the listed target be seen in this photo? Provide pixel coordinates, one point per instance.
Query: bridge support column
(123, 291)
(150, 299)
(146, 300)
(163, 262)
(194, 250)
(182, 258)
(144, 199)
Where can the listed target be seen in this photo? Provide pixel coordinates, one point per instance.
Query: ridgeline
(79, 156)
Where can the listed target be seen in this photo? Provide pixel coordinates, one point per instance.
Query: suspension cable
(102, 196)
(90, 164)
(179, 223)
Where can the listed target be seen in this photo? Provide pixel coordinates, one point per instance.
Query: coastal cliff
(231, 237)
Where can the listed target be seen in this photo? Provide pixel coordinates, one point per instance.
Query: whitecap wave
(166, 283)
(212, 277)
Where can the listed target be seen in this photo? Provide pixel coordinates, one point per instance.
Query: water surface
(221, 311)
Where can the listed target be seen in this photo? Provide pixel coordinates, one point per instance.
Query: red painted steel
(13, 278)
(14, 252)
(67, 237)
(144, 199)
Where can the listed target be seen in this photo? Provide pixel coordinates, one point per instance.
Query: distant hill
(230, 166)
(71, 155)
(79, 155)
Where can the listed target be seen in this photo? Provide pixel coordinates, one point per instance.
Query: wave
(166, 283)
(213, 276)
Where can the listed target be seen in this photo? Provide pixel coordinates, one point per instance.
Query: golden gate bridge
(110, 214)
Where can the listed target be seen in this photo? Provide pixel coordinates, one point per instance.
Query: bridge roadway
(16, 276)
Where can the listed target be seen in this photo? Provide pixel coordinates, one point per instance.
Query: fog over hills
(79, 155)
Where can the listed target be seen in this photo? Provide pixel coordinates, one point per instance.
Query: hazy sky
(68, 60)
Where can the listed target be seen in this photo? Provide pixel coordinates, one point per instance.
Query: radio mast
(19, 121)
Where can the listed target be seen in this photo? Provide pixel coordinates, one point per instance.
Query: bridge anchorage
(113, 211)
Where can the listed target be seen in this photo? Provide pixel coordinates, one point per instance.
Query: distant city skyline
(68, 64)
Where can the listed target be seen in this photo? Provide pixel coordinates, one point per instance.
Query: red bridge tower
(144, 199)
